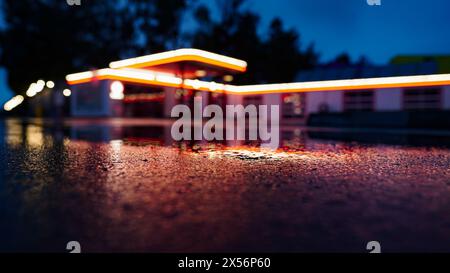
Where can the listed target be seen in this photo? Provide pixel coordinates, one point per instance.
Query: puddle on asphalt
(292, 139)
(131, 187)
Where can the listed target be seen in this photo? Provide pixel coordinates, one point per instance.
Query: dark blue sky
(379, 32)
(336, 26)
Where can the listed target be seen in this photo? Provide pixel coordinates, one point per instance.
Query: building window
(293, 105)
(422, 99)
(359, 100)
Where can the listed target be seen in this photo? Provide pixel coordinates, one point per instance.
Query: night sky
(378, 32)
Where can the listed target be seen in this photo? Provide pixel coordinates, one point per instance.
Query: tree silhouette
(276, 59)
(284, 58)
(48, 38)
(341, 60)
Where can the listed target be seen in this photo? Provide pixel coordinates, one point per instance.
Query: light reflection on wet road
(130, 188)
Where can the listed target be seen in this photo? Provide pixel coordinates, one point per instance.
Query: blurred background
(282, 41)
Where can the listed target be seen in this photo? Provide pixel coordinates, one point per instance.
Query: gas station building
(149, 86)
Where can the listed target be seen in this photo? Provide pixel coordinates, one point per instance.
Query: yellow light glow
(13, 103)
(40, 84)
(67, 92)
(180, 55)
(34, 136)
(200, 73)
(50, 84)
(33, 90)
(228, 78)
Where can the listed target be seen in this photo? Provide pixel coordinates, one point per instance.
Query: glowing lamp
(116, 90)
(13, 103)
(67, 92)
(50, 84)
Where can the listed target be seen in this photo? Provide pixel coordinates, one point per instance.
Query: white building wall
(389, 99)
(169, 100)
(234, 99)
(446, 97)
(333, 99)
(104, 107)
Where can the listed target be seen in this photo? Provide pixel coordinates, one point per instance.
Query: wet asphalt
(114, 189)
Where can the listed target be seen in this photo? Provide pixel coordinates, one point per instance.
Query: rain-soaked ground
(117, 185)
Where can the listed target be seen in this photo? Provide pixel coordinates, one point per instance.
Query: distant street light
(32, 90)
(67, 92)
(40, 84)
(50, 84)
(13, 103)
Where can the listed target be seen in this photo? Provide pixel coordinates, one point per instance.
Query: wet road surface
(117, 189)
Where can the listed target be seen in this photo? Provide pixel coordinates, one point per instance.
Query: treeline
(49, 38)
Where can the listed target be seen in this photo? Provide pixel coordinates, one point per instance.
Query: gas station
(149, 86)
(157, 81)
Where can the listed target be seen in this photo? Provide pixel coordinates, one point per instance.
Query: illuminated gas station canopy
(186, 63)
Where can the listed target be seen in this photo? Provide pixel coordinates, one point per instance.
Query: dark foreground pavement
(133, 195)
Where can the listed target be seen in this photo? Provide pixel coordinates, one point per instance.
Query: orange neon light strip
(152, 78)
(341, 85)
(180, 55)
(126, 75)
